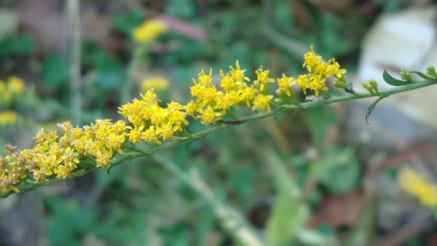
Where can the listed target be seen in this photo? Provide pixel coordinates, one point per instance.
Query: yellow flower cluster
(58, 153)
(416, 185)
(10, 89)
(211, 104)
(151, 122)
(148, 31)
(318, 72)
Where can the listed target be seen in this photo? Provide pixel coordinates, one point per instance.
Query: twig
(74, 36)
(230, 219)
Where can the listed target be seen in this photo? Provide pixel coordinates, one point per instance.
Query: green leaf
(77, 220)
(364, 229)
(283, 15)
(319, 121)
(125, 23)
(339, 170)
(314, 238)
(110, 80)
(349, 88)
(392, 80)
(104, 179)
(180, 8)
(55, 71)
(16, 45)
(96, 57)
(422, 75)
(371, 108)
(289, 213)
(243, 181)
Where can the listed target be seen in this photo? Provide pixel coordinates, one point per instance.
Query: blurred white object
(406, 39)
(402, 40)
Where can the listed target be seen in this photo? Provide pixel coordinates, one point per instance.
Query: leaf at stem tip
(422, 75)
(392, 80)
(349, 88)
(372, 107)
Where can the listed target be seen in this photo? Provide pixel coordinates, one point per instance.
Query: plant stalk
(230, 219)
(137, 152)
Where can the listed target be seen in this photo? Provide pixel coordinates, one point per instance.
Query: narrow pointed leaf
(349, 88)
(371, 108)
(392, 80)
(289, 213)
(422, 75)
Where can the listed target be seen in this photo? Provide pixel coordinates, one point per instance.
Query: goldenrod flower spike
(72, 151)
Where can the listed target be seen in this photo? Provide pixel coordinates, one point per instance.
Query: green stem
(132, 68)
(75, 60)
(230, 219)
(349, 97)
(180, 140)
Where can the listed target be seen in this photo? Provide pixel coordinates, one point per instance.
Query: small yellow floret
(209, 116)
(262, 102)
(285, 86)
(237, 73)
(262, 79)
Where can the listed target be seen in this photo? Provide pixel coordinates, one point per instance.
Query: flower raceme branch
(72, 151)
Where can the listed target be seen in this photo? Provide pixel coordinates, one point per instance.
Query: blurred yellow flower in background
(2, 87)
(10, 89)
(8, 118)
(157, 83)
(415, 184)
(16, 85)
(148, 31)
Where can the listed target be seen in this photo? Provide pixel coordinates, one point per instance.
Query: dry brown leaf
(340, 210)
